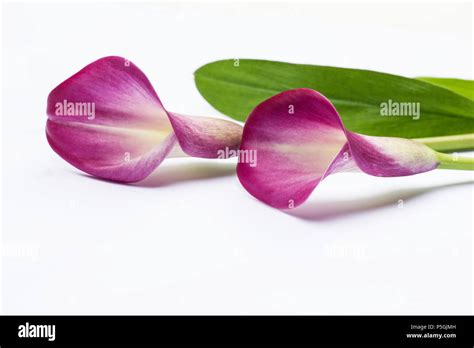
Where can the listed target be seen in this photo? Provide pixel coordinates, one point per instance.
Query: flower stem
(453, 161)
(449, 142)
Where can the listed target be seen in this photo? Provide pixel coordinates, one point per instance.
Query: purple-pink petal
(299, 139)
(108, 121)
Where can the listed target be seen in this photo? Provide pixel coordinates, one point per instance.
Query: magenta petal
(296, 135)
(299, 139)
(120, 92)
(108, 121)
(111, 153)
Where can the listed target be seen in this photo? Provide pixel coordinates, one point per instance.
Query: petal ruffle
(108, 121)
(299, 139)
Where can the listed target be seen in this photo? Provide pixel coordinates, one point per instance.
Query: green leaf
(462, 87)
(357, 95)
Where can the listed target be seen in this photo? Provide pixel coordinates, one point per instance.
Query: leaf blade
(460, 86)
(357, 95)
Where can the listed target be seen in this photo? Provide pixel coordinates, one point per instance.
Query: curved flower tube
(108, 121)
(299, 139)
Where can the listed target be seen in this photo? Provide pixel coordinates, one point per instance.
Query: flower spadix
(300, 139)
(108, 121)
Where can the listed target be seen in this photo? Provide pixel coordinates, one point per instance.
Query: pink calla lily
(108, 121)
(300, 139)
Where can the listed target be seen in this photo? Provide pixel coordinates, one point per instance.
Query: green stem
(449, 142)
(453, 161)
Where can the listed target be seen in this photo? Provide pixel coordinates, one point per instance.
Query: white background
(190, 239)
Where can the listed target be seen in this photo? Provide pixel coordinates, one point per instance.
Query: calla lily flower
(300, 139)
(108, 121)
